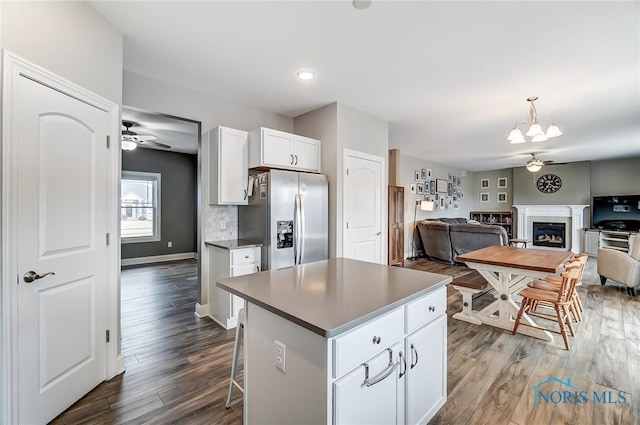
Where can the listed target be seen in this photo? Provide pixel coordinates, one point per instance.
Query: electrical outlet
(169, 244)
(279, 355)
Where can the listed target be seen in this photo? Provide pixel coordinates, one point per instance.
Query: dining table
(508, 270)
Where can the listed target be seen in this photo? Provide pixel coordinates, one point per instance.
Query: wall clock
(549, 183)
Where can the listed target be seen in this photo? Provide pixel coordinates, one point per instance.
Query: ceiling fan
(130, 139)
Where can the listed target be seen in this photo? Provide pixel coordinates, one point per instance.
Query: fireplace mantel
(572, 214)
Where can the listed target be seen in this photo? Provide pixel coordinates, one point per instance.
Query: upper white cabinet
(228, 166)
(278, 149)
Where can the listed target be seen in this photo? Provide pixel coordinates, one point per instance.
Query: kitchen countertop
(233, 244)
(332, 296)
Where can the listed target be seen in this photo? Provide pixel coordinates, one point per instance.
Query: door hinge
(347, 225)
(108, 142)
(108, 239)
(347, 171)
(108, 335)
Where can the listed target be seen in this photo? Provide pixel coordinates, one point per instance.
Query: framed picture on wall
(429, 173)
(459, 181)
(432, 186)
(413, 188)
(416, 175)
(484, 197)
(441, 186)
(502, 197)
(502, 182)
(423, 174)
(420, 188)
(450, 189)
(484, 183)
(426, 187)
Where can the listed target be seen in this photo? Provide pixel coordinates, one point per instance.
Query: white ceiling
(451, 78)
(180, 134)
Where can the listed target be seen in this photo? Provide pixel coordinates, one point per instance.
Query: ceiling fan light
(128, 145)
(539, 138)
(553, 131)
(534, 167)
(516, 136)
(535, 130)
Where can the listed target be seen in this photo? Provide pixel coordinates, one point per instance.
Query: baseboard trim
(202, 310)
(158, 259)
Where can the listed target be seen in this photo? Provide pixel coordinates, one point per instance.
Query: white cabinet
(224, 262)
(278, 149)
(228, 166)
(591, 242)
(356, 402)
(426, 391)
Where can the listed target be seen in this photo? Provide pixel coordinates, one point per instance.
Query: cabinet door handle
(384, 374)
(245, 194)
(432, 308)
(376, 339)
(291, 160)
(296, 159)
(257, 268)
(404, 362)
(413, 350)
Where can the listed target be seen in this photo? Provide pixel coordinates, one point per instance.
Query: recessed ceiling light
(361, 4)
(306, 74)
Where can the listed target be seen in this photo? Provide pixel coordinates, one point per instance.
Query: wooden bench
(471, 286)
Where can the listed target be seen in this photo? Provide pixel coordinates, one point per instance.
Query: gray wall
(575, 188)
(177, 199)
(493, 190)
(409, 164)
(617, 177)
(340, 127)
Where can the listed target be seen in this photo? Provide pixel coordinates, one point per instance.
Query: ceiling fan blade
(158, 144)
(145, 137)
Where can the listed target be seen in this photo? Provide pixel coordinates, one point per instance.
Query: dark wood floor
(178, 366)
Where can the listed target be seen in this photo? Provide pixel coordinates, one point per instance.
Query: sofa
(445, 238)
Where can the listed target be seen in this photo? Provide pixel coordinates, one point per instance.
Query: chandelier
(534, 130)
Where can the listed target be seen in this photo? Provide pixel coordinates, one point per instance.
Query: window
(139, 207)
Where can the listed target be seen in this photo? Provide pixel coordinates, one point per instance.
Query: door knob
(378, 233)
(30, 276)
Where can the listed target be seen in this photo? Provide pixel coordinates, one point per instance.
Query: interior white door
(61, 180)
(362, 200)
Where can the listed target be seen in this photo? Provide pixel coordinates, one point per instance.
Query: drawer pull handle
(376, 339)
(404, 362)
(384, 374)
(413, 350)
(432, 308)
(246, 256)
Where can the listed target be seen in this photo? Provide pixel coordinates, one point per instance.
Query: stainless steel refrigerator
(288, 212)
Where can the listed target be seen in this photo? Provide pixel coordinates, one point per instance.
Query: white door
(60, 174)
(362, 199)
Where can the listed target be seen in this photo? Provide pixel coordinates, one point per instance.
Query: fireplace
(549, 234)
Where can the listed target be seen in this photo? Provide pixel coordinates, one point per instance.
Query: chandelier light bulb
(532, 126)
(128, 145)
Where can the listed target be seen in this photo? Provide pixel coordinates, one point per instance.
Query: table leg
(505, 307)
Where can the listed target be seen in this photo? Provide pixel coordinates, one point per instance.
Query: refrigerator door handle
(302, 229)
(296, 230)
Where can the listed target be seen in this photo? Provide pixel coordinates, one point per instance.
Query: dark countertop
(332, 296)
(233, 244)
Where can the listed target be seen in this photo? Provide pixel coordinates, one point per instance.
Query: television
(616, 212)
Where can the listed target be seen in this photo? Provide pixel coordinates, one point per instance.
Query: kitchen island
(343, 341)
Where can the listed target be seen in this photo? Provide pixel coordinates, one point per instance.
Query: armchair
(621, 267)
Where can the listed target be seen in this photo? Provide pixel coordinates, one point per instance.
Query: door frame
(383, 197)
(14, 68)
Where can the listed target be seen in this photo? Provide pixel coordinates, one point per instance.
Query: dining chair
(552, 282)
(559, 300)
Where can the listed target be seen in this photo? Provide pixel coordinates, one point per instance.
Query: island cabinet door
(426, 377)
(355, 402)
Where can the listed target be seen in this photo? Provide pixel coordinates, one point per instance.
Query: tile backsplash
(218, 216)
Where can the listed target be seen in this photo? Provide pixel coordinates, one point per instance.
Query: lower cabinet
(357, 401)
(225, 262)
(426, 389)
(405, 382)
